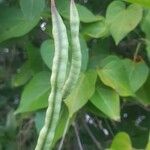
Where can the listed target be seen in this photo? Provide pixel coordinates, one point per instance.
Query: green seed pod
(76, 59)
(57, 80)
(76, 50)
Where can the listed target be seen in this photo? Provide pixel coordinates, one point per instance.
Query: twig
(136, 51)
(64, 134)
(78, 137)
(109, 127)
(98, 145)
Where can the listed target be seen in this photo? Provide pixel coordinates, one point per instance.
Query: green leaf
(82, 92)
(11, 122)
(85, 15)
(148, 144)
(33, 65)
(96, 30)
(113, 74)
(23, 75)
(35, 94)
(121, 140)
(145, 24)
(39, 120)
(107, 101)
(143, 94)
(32, 8)
(137, 73)
(13, 24)
(122, 20)
(145, 3)
(94, 110)
(145, 28)
(34, 57)
(85, 54)
(47, 52)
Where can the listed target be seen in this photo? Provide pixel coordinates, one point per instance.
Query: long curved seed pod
(76, 50)
(76, 59)
(61, 45)
(57, 80)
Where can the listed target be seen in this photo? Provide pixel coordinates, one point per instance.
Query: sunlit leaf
(113, 74)
(121, 140)
(122, 20)
(82, 92)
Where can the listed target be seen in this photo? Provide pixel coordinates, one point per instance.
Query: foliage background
(111, 100)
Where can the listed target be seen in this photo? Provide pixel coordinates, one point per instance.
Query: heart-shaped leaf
(122, 20)
(113, 74)
(137, 73)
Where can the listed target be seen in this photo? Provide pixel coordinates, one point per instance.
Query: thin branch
(78, 137)
(136, 51)
(109, 127)
(64, 134)
(98, 145)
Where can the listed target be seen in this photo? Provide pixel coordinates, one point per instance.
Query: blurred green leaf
(107, 101)
(85, 54)
(23, 75)
(146, 23)
(148, 144)
(145, 3)
(11, 123)
(39, 120)
(13, 24)
(122, 20)
(35, 94)
(82, 92)
(143, 94)
(32, 66)
(34, 57)
(86, 15)
(145, 28)
(32, 8)
(96, 30)
(47, 52)
(121, 140)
